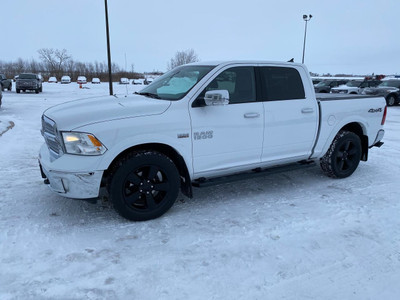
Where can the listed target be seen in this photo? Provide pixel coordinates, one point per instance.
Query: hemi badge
(183, 135)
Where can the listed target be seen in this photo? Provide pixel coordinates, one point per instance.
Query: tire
(37, 91)
(18, 91)
(144, 185)
(391, 100)
(343, 156)
(41, 89)
(10, 87)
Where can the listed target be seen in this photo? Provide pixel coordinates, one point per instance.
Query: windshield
(391, 83)
(322, 83)
(175, 84)
(354, 83)
(27, 76)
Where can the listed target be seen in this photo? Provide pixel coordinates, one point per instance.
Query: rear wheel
(37, 91)
(343, 156)
(144, 185)
(391, 100)
(41, 89)
(18, 91)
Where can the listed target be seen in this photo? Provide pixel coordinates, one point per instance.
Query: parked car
(326, 85)
(52, 80)
(390, 89)
(124, 80)
(203, 124)
(5, 83)
(148, 80)
(136, 81)
(1, 96)
(316, 81)
(65, 79)
(355, 86)
(96, 80)
(81, 80)
(28, 82)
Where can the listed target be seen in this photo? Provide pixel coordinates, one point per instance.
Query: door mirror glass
(216, 97)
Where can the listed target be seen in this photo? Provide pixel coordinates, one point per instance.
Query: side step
(204, 182)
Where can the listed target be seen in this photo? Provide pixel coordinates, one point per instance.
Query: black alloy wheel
(343, 156)
(144, 186)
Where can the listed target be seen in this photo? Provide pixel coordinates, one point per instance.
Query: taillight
(384, 116)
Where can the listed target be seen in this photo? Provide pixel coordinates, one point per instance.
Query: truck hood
(74, 114)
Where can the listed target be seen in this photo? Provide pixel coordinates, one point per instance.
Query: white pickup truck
(202, 124)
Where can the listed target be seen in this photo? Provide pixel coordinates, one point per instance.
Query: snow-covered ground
(298, 235)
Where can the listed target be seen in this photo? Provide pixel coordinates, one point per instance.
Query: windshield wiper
(147, 94)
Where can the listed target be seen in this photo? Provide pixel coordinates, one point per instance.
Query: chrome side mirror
(216, 97)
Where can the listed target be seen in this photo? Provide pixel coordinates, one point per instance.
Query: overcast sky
(353, 37)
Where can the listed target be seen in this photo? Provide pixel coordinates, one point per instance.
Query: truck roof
(230, 62)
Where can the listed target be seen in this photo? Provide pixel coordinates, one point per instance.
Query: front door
(227, 137)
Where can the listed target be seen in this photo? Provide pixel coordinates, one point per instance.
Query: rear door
(291, 114)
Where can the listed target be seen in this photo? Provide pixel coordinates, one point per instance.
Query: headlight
(392, 90)
(82, 143)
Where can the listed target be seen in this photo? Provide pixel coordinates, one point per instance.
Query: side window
(281, 83)
(238, 81)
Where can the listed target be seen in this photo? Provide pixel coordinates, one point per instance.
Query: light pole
(306, 19)
(108, 50)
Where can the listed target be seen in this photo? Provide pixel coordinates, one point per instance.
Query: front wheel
(144, 185)
(343, 156)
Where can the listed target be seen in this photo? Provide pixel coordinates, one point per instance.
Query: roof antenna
(292, 60)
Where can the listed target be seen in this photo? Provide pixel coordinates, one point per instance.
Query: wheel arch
(172, 153)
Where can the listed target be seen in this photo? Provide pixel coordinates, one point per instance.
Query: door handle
(307, 110)
(251, 115)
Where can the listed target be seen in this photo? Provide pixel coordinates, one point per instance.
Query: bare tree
(54, 60)
(62, 59)
(182, 58)
(20, 66)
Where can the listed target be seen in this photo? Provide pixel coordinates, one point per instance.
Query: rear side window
(281, 83)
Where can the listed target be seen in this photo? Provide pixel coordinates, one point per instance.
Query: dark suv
(326, 85)
(28, 81)
(390, 89)
(5, 83)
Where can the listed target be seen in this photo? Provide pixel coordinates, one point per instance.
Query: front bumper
(66, 182)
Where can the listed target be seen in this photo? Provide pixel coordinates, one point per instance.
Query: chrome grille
(50, 134)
